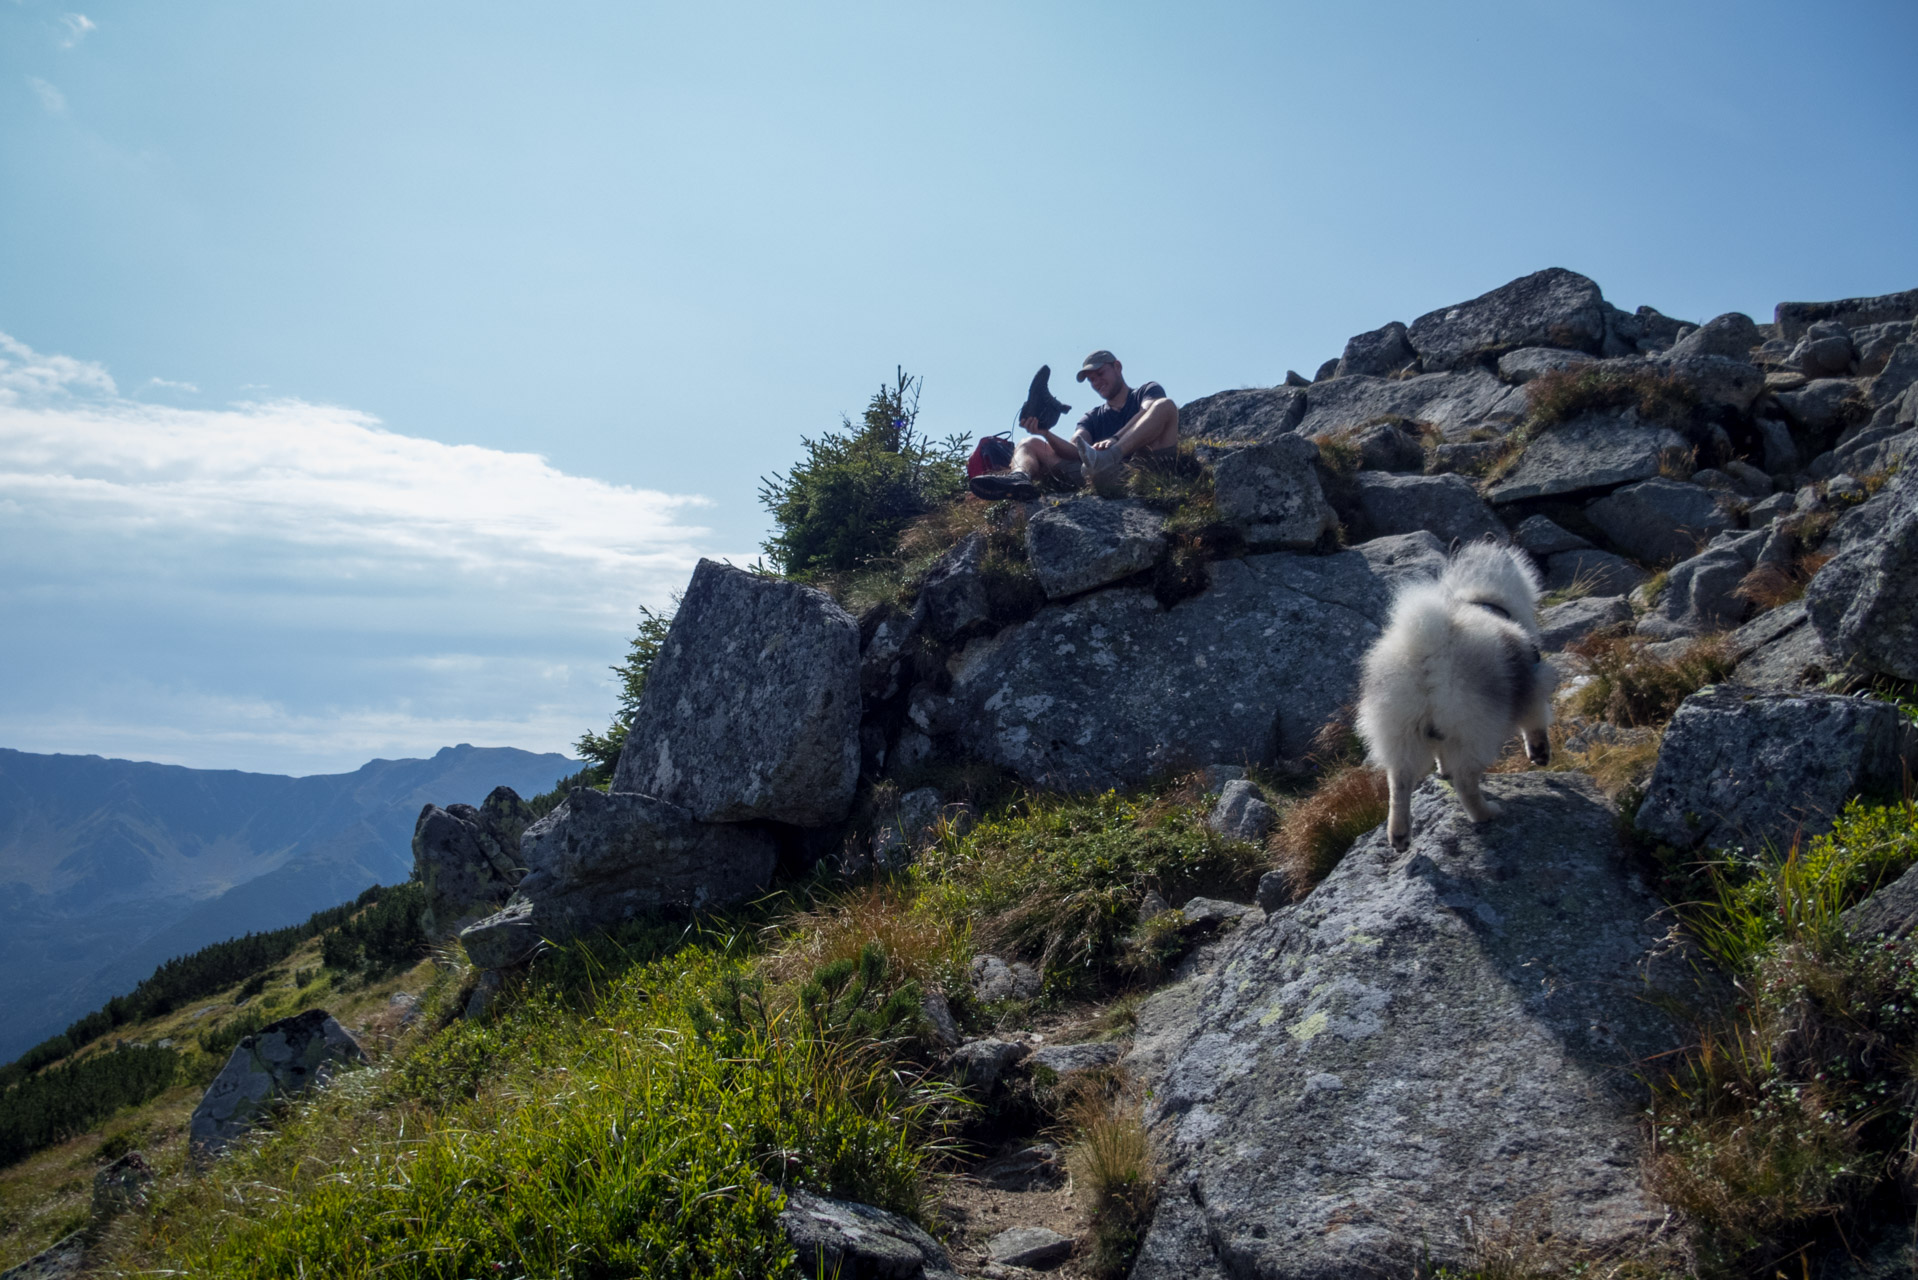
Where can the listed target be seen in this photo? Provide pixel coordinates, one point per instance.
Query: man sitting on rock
(1133, 423)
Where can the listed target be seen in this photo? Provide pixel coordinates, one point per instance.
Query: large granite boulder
(1083, 543)
(279, 1061)
(1732, 335)
(1864, 602)
(1591, 452)
(1659, 519)
(1457, 404)
(1448, 506)
(467, 860)
(1778, 650)
(1563, 624)
(1743, 766)
(1701, 593)
(601, 858)
(752, 707)
(1112, 689)
(1822, 406)
(1715, 382)
(1598, 573)
(953, 595)
(1460, 1025)
(1254, 413)
(1526, 363)
(1273, 491)
(860, 1242)
(1550, 308)
(1899, 374)
(1381, 352)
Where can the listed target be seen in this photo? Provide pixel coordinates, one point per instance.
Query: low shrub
(1630, 686)
(1563, 394)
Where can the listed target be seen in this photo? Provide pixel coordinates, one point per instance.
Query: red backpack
(992, 453)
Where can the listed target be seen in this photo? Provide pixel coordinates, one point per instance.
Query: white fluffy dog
(1455, 674)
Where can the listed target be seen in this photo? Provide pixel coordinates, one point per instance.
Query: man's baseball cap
(1093, 361)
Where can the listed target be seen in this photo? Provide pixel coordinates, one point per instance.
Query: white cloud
(285, 585)
(77, 26)
(51, 98)
(167, 384)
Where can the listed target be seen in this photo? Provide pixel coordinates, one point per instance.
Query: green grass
(622, 1118)
(1789, 1127)
(1059, 879)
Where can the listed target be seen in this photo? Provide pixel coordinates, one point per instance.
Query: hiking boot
(1104, 470)
(1016, 485)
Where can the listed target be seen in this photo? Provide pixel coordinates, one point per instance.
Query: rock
(467, 860)
(1742, 766)
(1657, 332)
(1746, 479)
(1864, 602)
(1561, 624)
(1766, 510)
(1526, 363)
(1207, 915)
(1593, 451)
(1274, 491)
(1780, 650)
(1293, 378)
(1822, 407)
(65, 1257)
(978, 1064)
(604, 857)
(1890, 912)
(938, 1014)
(1457, 1025)
(1551, 308)
(1456, 404)
(506, 938)
(1241, 813)
(1898, 376)
(1700, 594)
(1540, 538)
(994, 980)
(1732, 335)
(1381, 352)
(909, 828)
(1472, 458)
(120, 1188)
(281, 1060)
(1068, 1059)
(953, 596)
(1111, 689)
(1039, 1248)
(1034, 1168)
(1781, 451)
(1256, 414)
(1794, 319)
(1715, 382)
(1876, 344)
(1387, 446)
(1215, 776)
(752, 706)
(859, 1242)
(1080, 544)
(1597, 573)
(1153, 904)
(1659, 519)
(1878, 450)
(1276, 889)
(1824, 355)
(1447, 506)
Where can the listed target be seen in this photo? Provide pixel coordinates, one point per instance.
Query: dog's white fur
(1455, 674)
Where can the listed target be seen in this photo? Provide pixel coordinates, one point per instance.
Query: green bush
(856, 489)
(57, 1104)
(601, 750)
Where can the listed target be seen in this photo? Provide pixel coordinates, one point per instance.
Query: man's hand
(1031, 425)
(1111, 442)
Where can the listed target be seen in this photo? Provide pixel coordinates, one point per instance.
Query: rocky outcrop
(752, 707)
(1453, 1030)
(467, 860)
(1241, 812)
(1795, 319)
(1447, 506)
(1659, 519)
(1254, 414)
(1596, 451)
(1747, 767)
(1455, 404)
(1551, 308)
(1864, 603)
(1112, 689)
(279, 1061)
(859, 1242)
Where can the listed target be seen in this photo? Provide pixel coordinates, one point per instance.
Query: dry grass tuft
(918, 945)
(1112, 1170)
(1632, 687)
(1563, 394)
(1316, 832)
(1770, 585)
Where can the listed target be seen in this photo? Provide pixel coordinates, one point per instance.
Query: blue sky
(368, 366)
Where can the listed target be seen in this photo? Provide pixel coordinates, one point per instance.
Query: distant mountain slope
(108, 867)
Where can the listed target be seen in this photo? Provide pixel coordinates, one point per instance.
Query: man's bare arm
(1154, 417)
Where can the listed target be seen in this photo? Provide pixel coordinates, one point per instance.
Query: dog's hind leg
(1398, 822)
(1471, 799)
(1538, 747)
(1538, 716)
